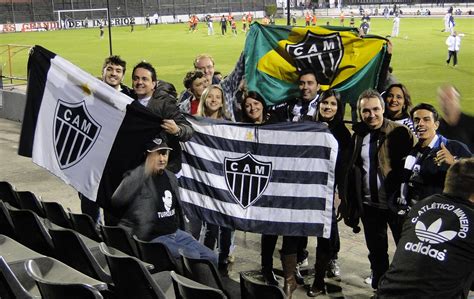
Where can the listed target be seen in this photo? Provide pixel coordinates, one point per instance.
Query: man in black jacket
(434, 255)
(160, 98)
(148, 197)
(304, 107)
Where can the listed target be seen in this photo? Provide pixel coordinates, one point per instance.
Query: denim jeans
(181, 240)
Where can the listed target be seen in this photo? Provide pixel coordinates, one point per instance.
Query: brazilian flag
(339, 57)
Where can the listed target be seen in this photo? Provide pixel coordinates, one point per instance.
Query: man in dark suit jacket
(160, 97)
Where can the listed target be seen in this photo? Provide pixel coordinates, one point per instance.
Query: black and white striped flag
(79, 128)
(271, 179)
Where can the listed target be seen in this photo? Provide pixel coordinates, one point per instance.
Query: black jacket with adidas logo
(435, 255)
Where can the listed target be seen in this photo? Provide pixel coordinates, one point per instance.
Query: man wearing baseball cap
(148, 199)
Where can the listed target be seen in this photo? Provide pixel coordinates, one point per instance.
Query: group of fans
(396, 156)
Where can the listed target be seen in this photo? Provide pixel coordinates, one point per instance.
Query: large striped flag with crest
(271, 179)
(340, 58)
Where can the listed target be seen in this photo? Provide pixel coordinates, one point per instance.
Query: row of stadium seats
(64, 256)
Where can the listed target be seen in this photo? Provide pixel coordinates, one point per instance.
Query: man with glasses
(230, 84)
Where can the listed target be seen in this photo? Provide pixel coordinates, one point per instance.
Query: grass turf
(419, 58)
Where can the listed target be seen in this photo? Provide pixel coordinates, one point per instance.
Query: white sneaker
(231, 258)
(333, 269)
(303, 263)
(368, 280)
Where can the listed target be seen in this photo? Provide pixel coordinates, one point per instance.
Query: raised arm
(129, 187)
(231, 83)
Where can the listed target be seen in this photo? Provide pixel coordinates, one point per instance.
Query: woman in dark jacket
(254, 110)
(330, 112)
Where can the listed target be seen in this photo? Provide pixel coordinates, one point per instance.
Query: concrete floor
(25, 175)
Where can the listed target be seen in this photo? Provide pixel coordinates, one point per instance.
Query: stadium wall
(76, 24)
(38, 15)
(12, 104)
(416, 11)
(27, 11)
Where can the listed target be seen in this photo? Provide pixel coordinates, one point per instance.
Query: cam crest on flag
(74, 132)
(319, 53)
(247, 178)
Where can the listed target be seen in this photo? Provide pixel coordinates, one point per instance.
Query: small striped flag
(270, 179)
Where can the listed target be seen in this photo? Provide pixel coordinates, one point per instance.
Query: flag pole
(288, 12)
(110, 29)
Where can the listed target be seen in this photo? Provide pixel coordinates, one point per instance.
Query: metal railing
(12, 61)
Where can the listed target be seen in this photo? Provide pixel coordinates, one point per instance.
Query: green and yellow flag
(340, 58)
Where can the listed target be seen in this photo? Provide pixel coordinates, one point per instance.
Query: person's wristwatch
(179, 132)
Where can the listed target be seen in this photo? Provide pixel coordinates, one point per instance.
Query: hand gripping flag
(79, 128)
(271, 179)
(339, 57)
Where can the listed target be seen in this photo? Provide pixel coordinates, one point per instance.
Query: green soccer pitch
(419, 58)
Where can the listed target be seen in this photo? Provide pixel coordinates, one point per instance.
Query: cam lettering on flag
(79, 128)
(75, 132)
(321, 53)
(270, 179)
(246, 178)
(339, 57)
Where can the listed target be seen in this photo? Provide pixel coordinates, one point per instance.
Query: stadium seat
(55, 213)
(12, 251)
(204, 272)
(6, 223)
(10, 286)
(29, 201)
(254, 289)
(54, 270)
(8, 194)
(185, 288)
(83, 224)
(156, 254)
(31, 231)
(131, 278)
(19, 270)
(119, 238)
(57, 281)
(72, 250)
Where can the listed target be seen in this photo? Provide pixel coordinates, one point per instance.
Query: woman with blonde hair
(212, 103)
